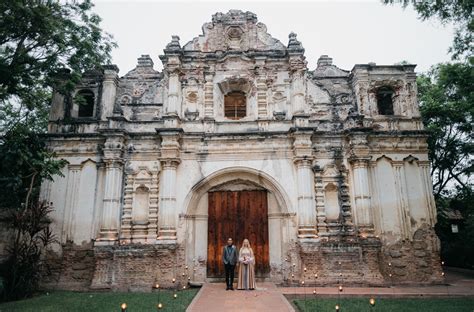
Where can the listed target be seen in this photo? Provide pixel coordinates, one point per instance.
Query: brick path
(213, 297)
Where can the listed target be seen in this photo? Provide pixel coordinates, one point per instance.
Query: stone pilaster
(170, 160)
(261, 78)
(319, 197)
(109, 223)
(297, 68)
(359, 149)
(167, 211)
(172, 66)
(428, 191)
(73, 182)
(403, 207)
(305, 183)
(109, 90)
(209, 95)
(362, 198)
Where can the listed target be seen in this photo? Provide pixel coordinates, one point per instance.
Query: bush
(25, 264)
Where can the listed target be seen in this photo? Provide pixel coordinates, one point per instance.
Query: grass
(66, 301)
(387, 305)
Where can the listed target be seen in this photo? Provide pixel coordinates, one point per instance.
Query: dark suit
(229, 257)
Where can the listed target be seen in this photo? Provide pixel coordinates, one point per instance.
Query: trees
(40, 40)
(446, 95)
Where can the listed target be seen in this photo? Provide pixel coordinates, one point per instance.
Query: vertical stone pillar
(167, 211)
(172, 66)
(261, 78)
(174, 92)
(428, 191)
(209, 96)
(297, 68)
(319, 197)
(73, 182)
(109, 90)
(362, 196)
(170, 159)
(360, 85)
(306, 209)
(297, 93)
(404, 210)
(109, 225)
(302, 150)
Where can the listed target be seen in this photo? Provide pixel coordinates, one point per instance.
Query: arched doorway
(239, 211)
(240, 185)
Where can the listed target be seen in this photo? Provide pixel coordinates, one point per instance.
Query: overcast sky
(351, 32)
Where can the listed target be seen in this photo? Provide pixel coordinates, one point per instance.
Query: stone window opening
(85, 100)
(385, 100)
(235, 105)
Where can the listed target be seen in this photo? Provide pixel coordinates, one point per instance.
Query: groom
(229, 257)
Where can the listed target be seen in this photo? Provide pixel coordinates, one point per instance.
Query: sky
(351, 32)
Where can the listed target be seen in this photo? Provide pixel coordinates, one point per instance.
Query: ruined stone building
(324, 169)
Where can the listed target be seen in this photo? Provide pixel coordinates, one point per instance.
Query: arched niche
(141, 203)
(331, 202)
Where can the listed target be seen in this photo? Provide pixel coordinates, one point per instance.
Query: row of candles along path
(337, 307)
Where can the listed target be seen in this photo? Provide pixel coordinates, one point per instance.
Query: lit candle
(160, 306)
(372, 301)
(123, 307)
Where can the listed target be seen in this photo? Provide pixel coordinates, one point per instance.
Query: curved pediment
(234, 30)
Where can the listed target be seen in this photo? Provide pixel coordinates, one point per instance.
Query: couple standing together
(246, 261)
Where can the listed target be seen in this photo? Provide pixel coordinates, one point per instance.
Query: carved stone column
(170, 159)
(306, 209)
(109, 225)
(297, 67)
(172, 66)
(209, 95)
(359, 160)
(109, 90)
(403, 207)
(73, 182)
(261, 78)
(362, 196)
(319, 196)
(303, 159)
(167, 211)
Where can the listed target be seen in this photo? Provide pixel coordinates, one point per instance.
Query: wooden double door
(239, 215)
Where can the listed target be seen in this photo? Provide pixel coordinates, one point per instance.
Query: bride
(246, 267)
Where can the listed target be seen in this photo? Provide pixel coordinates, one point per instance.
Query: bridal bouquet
(246, 261)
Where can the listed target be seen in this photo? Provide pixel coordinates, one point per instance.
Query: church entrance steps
(213, 297)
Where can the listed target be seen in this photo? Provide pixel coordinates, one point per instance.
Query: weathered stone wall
(415, 261)
(139, 267)
(72, 269)
(341, 262)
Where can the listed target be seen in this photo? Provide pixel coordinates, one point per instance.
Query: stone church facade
(325, 170)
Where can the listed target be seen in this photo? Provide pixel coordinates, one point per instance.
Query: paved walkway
(213, 297)
(268, 297)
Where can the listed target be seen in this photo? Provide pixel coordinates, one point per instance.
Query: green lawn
(59, 301)
(387, 305)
